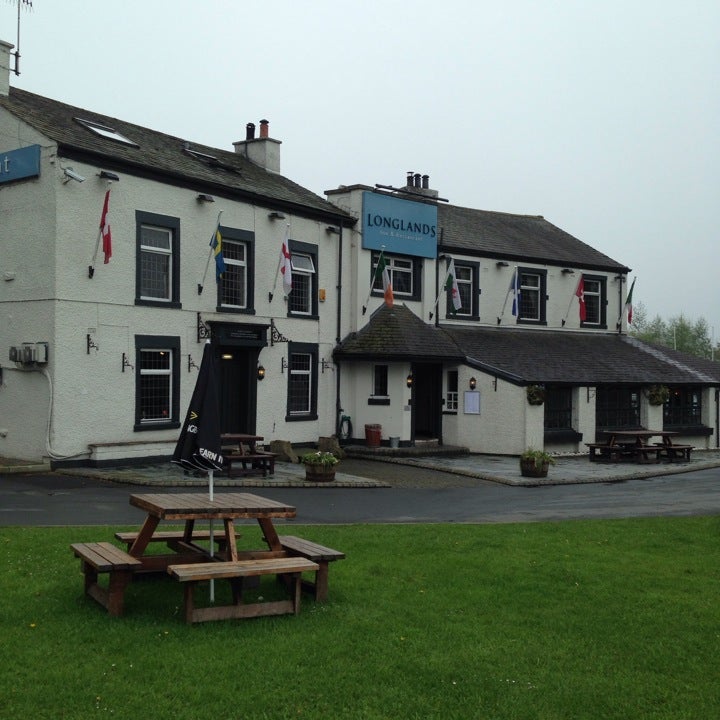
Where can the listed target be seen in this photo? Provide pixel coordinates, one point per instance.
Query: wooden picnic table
(241, 455)
(189, 507)
(288, 557)
(633, 445)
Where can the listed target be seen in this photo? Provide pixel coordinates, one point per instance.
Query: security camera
(70, 174)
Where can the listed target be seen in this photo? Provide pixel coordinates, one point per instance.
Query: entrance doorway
(427, 401)
(237, 388)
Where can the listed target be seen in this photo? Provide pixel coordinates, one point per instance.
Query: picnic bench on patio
(632, 445)
(242, 457)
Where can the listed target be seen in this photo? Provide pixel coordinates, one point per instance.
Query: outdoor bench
(671, 452)
(235, 571)
(173, 537)
(605, 451)
(252, 463)
(319, 554)
(104, 557)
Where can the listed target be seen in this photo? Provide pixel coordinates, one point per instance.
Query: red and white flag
(286, 268)
(580, 292)
(105, 229)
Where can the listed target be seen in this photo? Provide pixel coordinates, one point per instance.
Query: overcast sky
(604, 117)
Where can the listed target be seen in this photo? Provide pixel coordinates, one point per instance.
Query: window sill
(378, 401)
(298, 316)
(159, 304)
(301, 418)
(143, 427)
(234, 310)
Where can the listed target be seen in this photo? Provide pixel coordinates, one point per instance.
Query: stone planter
(529, 468)
(319, 473)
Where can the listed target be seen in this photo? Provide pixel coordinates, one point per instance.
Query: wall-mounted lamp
(409, 380)
(473, 383)
(226, 356)
(568, 271)
(276, 216)
(332, 230)
(501, 263)
(70, 174)
(204, 197)
(260, 372)
(126, 363)
(107, 175)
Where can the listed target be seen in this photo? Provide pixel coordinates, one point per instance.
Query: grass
(586, 619)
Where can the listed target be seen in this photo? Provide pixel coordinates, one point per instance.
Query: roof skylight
(105, 131)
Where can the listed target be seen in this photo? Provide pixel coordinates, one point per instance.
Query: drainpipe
(717, 418)
(338, 405)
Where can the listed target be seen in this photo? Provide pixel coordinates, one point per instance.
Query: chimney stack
(263, 150)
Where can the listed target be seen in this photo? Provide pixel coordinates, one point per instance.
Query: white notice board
(472, 402)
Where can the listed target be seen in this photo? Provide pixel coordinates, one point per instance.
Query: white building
(100, 359)
(99, 364)
(515, 365)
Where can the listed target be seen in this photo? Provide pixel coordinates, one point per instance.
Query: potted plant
(535, 394)
(535, 463)
(658, 394)
(319, 466)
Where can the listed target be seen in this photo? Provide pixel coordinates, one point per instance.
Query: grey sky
(602, 117)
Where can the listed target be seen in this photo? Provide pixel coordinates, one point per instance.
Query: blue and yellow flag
(216, 245)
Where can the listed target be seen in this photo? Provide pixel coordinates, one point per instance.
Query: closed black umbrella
(199, 446)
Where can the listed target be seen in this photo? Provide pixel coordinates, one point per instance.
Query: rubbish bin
(394, 442)
(373, 433)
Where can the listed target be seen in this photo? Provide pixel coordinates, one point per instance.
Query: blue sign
(19, 164)
(399, 226)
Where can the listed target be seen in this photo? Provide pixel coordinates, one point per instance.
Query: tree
(678, 333)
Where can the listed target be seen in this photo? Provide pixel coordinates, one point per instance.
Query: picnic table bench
(235, 570)
(104, 557)
(319, 554)
(633, 445)
(673, 452)
(174, 537)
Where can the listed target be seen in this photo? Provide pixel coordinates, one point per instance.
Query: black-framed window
(617, 407)
(302, 388)
(468, 280)
(683, 407)
(451, 393)
(380, 380)
(157, 382)
(405, 275)
(236, 290)
(533, 296)
(157, 265)
(595, 293)
(558, 408)
(303, 298)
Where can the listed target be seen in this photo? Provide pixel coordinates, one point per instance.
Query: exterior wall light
(409, 380)
(473, 383)
(260, 372)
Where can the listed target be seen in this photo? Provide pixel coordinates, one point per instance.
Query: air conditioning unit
(29, 353)
(15, 353)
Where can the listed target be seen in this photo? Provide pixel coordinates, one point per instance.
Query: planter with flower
(658, 394)
(535, 394)
(535, 463)
(319, 466)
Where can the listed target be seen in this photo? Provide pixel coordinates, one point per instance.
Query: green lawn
(597, 619)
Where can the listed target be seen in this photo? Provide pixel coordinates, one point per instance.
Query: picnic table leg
(231, 542)
(271, 536)
(143, 538)
(119, 580)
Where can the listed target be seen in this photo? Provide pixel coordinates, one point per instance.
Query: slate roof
(398, 334)
(163, 157)
(526, 356)
(523, 238)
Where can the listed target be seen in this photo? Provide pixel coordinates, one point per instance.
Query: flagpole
(372, 281)
(507, 294)
(442, 287)
(210, 254)
(277, 269)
